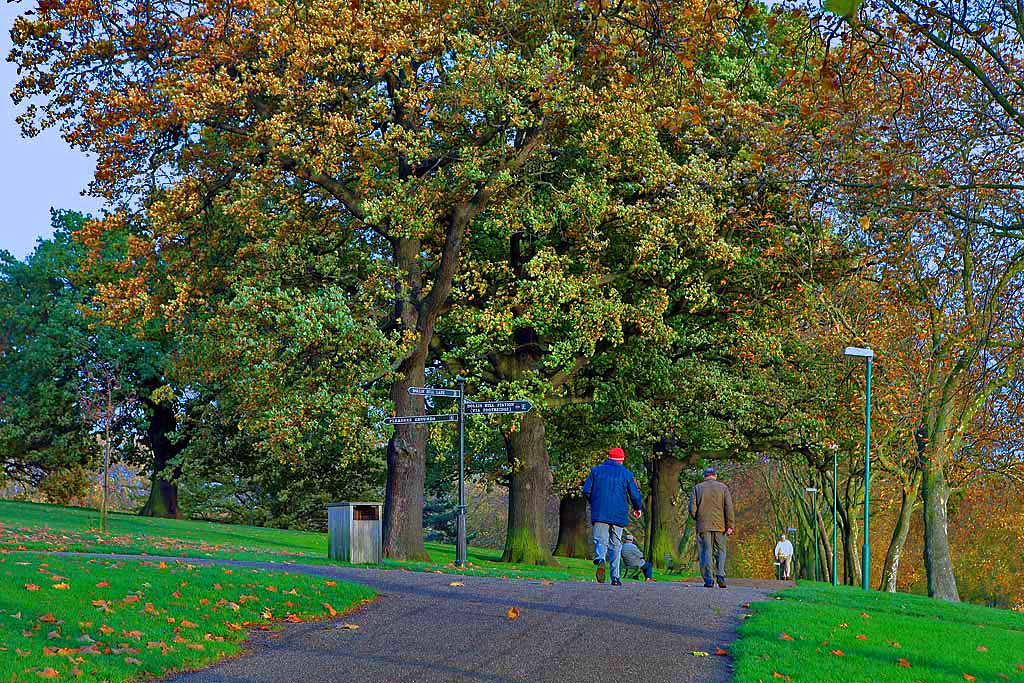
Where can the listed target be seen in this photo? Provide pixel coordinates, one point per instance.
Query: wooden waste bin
(355, 532)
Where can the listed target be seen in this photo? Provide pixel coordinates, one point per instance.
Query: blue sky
(35, 174)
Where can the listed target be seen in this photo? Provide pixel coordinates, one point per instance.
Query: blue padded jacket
(611, 490)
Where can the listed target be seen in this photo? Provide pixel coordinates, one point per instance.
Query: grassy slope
(35, 526)
(938, 642)
(47, 527)
(107, 620)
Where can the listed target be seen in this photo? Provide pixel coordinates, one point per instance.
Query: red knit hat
(617, 454)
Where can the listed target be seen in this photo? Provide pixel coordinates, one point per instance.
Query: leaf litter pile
(92, 620)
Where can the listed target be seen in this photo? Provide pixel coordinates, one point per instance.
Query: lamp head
(859, 352)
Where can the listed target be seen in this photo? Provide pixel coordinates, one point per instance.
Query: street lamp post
(835, 512)
(868, 355)
(814, 520)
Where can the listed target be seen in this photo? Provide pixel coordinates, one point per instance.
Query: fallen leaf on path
(699, 653)
(349, 627)
(456, 584)
(721, 652)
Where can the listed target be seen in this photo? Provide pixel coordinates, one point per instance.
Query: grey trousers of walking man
(711, 507)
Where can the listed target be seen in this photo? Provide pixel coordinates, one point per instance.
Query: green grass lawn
(106, 620)
(821, 634)
(32, 526)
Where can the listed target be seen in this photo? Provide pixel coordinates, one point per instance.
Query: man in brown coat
(711, 507)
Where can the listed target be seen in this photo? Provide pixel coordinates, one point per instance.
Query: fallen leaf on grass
(106, 630)
(330, 610)
(865, 615)
(195, 646)
(332, 584)
(785, 636)
(844, 626)
(1020, 667)
(903, 663)
(48, 672)
(861, 636)
(895, 644)
(103, 584)
(969, 677)
(512, 613)
(837, 653)
(293, 619)
(776, 674)
(61, 586)
(982, 648)
(132, 660)
(31, 587)
(48, 619)
(22, 653)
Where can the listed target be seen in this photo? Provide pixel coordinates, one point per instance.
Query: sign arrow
(422, 419)
(497, 407)
(431, 391)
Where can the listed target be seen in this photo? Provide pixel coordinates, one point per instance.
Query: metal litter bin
(355, 532)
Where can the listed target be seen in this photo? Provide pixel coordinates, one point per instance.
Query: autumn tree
(399, 124)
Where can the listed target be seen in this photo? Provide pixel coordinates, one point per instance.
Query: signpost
(465, 408)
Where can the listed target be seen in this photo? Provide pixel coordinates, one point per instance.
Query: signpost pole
(460, 543)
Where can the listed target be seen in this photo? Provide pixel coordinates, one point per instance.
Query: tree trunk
(664, 524)
(908, 500)
(407, 467)
(407, 448)
(938, 563)
(825, 536)
(163, 490)
(573, 528)
(529, 489)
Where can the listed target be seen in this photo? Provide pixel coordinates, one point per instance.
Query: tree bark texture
(163, 491)
(574, 537)
(891, 567)
(406, 462)
(937, 559)
(665, 526)
(529, 488)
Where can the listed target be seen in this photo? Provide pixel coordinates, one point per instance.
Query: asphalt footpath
(422, 629)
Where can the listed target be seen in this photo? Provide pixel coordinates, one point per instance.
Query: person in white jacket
(784, 555)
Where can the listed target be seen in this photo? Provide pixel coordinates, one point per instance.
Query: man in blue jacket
(611, 490)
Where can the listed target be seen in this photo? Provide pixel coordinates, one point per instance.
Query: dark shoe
(616, 582)
(721, 583)
(600, 572)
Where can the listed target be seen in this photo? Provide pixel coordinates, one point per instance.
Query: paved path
(422, 630)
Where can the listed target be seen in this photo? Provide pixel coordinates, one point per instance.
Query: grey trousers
(712, 555)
